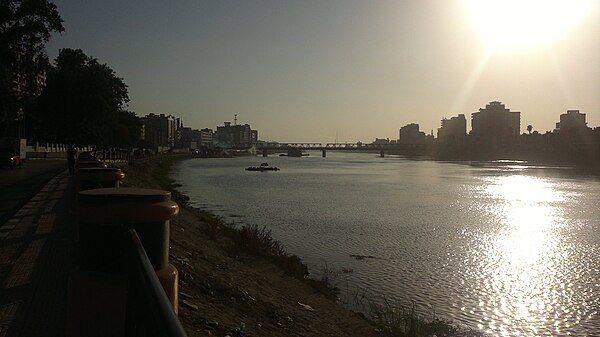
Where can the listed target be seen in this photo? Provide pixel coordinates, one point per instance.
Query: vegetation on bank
(250, 239)
(391, 319)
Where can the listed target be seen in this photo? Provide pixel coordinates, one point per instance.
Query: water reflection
(524, 255)
(512, 248)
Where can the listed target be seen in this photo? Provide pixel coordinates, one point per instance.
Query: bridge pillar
(323, 153)
(265, 153)
(381, 154)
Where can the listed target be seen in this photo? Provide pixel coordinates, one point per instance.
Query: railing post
(98, 177)
(105, 215)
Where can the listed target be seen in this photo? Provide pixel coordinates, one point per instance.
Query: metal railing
(149, 312)
(113, 257)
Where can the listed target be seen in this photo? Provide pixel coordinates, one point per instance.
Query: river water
(503, 247)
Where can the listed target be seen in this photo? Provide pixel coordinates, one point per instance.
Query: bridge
(382, 149)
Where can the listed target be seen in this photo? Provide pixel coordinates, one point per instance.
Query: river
(503, 247)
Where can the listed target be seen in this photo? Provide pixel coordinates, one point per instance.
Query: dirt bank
(228, 291)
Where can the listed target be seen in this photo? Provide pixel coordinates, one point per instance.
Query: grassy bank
(385, 317)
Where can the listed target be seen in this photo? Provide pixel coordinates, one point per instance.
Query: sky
(345, 70)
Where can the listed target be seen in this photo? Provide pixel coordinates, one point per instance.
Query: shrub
(258, 241)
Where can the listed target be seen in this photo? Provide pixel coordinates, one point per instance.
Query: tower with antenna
(235, 119)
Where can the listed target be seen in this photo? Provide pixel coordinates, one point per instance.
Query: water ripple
(511, 250)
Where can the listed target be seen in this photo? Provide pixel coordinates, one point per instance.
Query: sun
(526, 23)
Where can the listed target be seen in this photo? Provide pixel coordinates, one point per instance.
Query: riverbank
(238, 281)
(227, 290)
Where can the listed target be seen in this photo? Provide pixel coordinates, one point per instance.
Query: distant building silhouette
(571, 119)
(453, 127)
(452, 141)
(206, 137)
(193, 139)
(235, 135)
(381, 141)
(160, 131)
(495, 126)
(410, 134)
(187, 138)
(573, 135)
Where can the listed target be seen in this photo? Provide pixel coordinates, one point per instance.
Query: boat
(263, 167)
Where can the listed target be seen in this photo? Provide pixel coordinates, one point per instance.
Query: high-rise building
(160, 130)
(571, 119)
(236, 135)
(206, 137)
(453, 127)
(186, 137)
(410, 134)
(495, 125)
(254, 136)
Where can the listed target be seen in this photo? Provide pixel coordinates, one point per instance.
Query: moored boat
(262, 167)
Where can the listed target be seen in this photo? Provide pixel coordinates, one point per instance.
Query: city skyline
(317, 71)
(449, 127)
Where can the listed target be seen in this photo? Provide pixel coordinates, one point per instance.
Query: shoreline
(240, 282)
(226, 289)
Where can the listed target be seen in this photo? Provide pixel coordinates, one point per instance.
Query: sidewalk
(37, 252)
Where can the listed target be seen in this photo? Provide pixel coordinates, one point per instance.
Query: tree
(25, 28)
(84, 103)
(128, 130)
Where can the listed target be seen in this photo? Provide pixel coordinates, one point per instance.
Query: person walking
(71, 159)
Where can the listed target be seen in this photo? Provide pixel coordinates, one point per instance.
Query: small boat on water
(262, 167)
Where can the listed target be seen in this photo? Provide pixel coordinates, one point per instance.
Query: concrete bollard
(98, 177)
(146, 210)
(105, 214)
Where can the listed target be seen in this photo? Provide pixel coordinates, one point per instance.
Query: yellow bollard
(169, 279)
(98, 177)
(105, 214)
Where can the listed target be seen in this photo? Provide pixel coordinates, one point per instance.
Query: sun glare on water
(526, 23)
(524, 258)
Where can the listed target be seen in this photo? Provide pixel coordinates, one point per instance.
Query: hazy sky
(308, 70)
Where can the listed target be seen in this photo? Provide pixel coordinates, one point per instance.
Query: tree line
(83, 101)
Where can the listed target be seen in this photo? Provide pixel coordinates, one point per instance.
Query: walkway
(37, 252)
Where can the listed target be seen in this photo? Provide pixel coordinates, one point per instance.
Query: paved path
(36, 254)
(17, 186)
